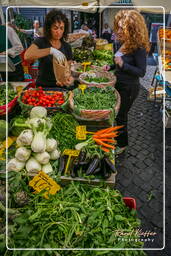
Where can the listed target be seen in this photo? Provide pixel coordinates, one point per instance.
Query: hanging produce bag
(62, 71)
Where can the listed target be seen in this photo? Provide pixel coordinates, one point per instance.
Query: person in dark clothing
(130, 64)
(51, 45)
(15, 48)
(107, 33)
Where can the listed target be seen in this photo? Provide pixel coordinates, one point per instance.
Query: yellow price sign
(70, 153)
(82, 87)
(43, 182)
(81, 132)
(85, 64)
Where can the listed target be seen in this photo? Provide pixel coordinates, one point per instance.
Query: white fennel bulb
(39, 112)
(47, 168)
(22, 154)
(25, 137)
(54, 154)
(42, 158)
(15, 165)
(51, 145)
(33, 166)
(38, 144)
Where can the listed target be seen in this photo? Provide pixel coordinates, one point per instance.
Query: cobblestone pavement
(140, 169)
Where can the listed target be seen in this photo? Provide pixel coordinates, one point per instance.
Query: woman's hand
(119, 61)
(68, 81)
(106, 67)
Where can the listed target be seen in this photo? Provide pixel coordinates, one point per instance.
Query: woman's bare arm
(33, 52)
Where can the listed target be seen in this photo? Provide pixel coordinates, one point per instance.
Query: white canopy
(92, 5)
(153, 6)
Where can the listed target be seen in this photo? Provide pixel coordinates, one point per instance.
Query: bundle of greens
(11, 94)
(64, 130)
(78, 216)
(95, 98)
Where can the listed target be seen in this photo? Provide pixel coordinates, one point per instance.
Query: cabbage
(39, 112)
(15, 165)
(51, 145)
(22, 154)
(42, 158)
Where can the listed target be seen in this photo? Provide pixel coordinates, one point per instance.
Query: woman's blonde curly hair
(134, 29)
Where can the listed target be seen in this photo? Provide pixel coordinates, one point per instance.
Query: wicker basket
(110, 76)
(96, 115)
(10, 106)
(27, 108)
(76, 66)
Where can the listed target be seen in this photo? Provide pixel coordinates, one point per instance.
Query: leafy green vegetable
(97, 79)
(78, 216)
(95, 98)
(64, 130)
(17, 125)
(11, 94)
(3, 125)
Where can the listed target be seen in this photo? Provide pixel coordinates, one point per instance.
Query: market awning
(152, 6)
(83, 5)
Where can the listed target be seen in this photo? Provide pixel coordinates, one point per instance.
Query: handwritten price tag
(81, 132)
(43, 182)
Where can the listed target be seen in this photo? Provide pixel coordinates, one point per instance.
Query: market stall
(162, 75)
(67, 136)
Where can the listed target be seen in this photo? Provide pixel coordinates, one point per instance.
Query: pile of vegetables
(95, 98)
(96, 57)
(39, 97)
(97, 79)
(35, 150)
(80, 55)
(96, 155)
(3, 125)
(11, 94)
(64, 130)
(78, 216)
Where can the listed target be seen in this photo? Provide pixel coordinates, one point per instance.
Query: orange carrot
(110, 129)
(106, 135)
(105, 149)
(103, 144)
(109, 140)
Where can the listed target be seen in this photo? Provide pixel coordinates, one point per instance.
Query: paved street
(140, 169)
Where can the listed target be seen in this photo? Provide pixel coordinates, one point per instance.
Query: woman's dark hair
(52, 17)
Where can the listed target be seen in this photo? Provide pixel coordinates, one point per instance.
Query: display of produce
(165, 33)
(97, 78)
(64, 130)
(94, 98)
(34, 149)
(11, 93)
(39, 97)
(45, 149)
(96, 57)
(80, 55)
(78, 216)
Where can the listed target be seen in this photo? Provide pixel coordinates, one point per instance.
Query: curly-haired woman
(52, 44)
(130, 64)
